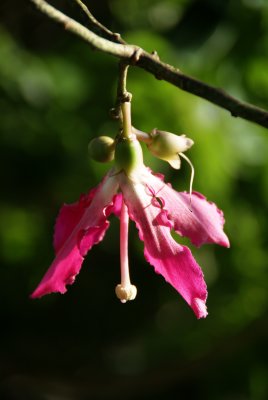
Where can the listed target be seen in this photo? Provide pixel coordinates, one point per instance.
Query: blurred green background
(55, 95)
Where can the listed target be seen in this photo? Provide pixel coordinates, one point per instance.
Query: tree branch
(134, 55)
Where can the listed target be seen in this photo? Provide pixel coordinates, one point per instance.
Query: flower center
(125, 290)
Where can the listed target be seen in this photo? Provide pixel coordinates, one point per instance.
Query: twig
(97, 42)
(159, 69)
(97, 27)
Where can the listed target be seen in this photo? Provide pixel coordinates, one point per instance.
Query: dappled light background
(55, 95)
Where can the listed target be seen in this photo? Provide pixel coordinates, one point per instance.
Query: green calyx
(128, 151)
(128, 154)
(101, 149)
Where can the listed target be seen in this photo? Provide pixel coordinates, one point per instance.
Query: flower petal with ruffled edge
(199, 219)
(173, 261)
(79, 226)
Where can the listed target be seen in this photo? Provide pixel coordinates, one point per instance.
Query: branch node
(67, 25)
(117, 37)
(135, 56)
(155, 55)
(126, 97)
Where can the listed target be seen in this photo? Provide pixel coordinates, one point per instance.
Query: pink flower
(156, 208)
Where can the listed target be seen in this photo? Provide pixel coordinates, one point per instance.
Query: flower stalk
(126, 114)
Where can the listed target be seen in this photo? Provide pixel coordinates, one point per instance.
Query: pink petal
(78, 227)
(199, 220)
(68, 218)
(205, 215)
(173, 261)
(116, 205)
(163, 219)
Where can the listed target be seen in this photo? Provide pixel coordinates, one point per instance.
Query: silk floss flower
(131, 190)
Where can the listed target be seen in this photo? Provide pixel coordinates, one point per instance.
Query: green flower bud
(128, 154)
(167, 146)
(101, 149)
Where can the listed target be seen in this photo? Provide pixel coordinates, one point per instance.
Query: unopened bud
(101, 149)
(125, 293)
(167, 146)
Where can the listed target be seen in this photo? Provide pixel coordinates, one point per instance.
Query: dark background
(55, 95)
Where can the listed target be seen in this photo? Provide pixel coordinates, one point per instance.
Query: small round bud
(101, 149)
(167, 146)
(128, 154)
(125, 293)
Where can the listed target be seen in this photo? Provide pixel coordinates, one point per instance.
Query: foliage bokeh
(55, 95)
